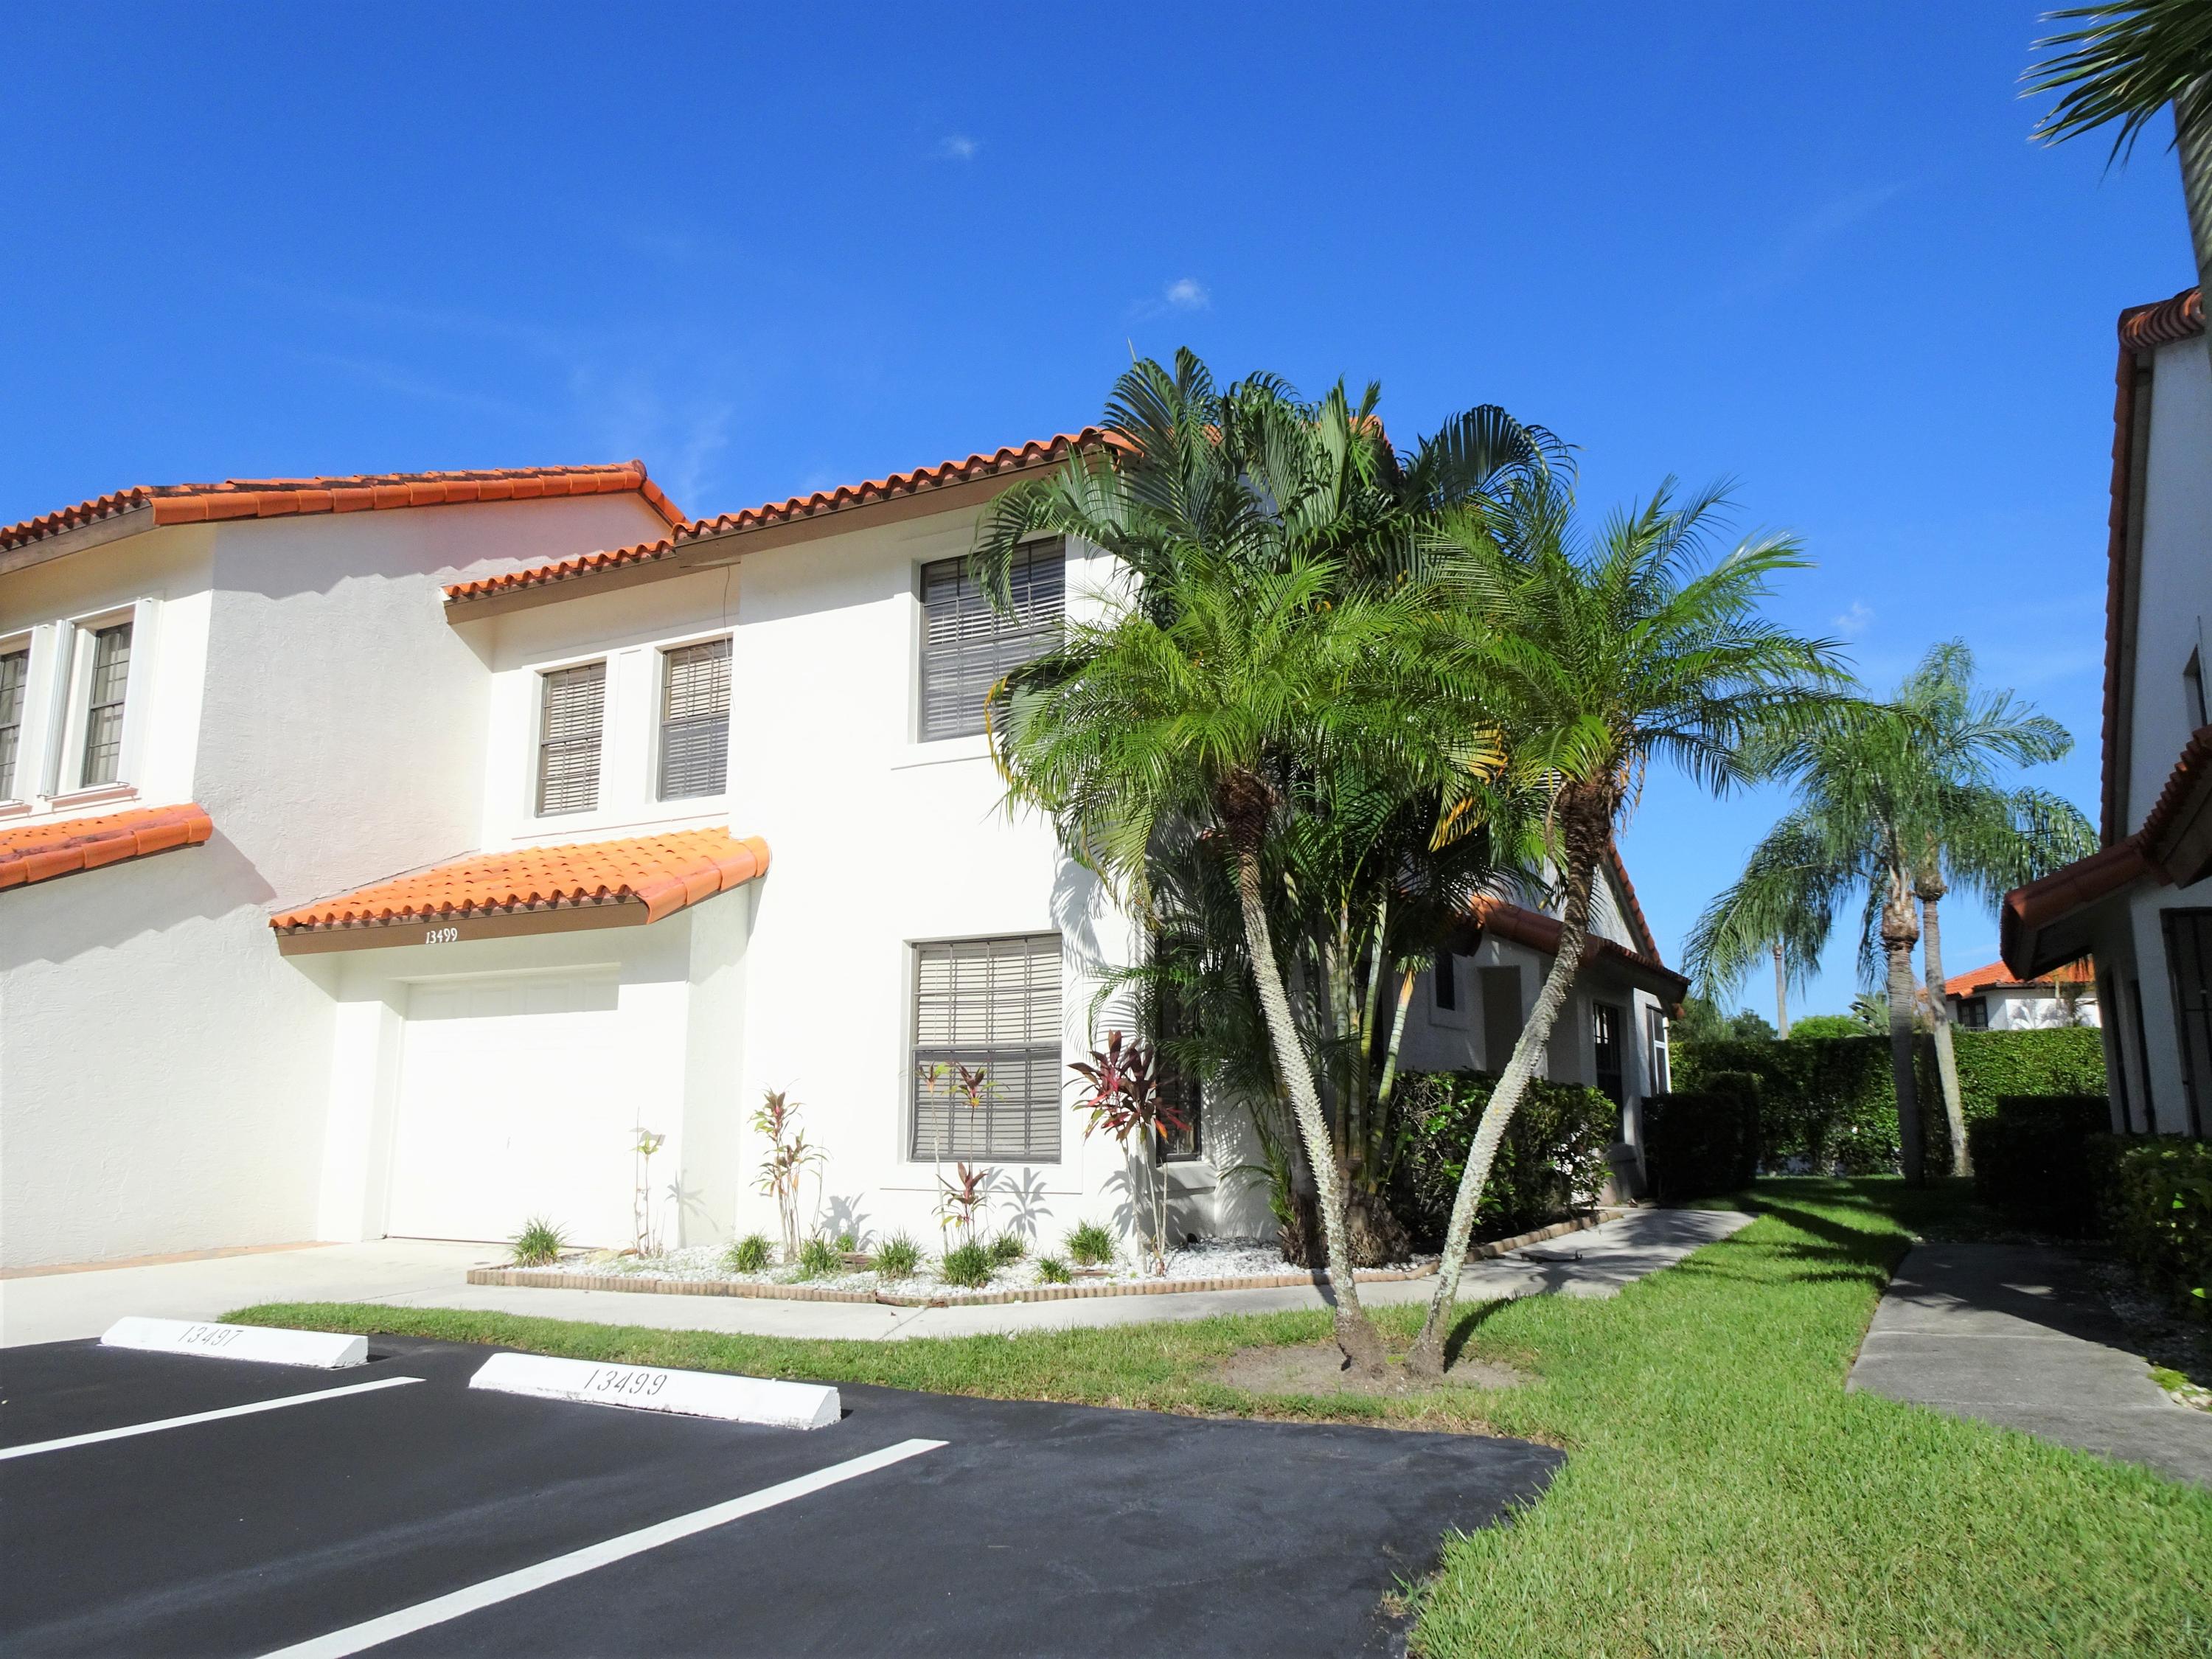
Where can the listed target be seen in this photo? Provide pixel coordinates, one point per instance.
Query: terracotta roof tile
(1997, 976)
(51, 848)
(1542, 933)
(1040, 451)
(663, 872)
(271, 498)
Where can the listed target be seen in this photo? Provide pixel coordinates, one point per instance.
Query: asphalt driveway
(434, 1512)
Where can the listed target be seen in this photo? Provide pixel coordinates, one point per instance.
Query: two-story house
(383, 855)
(2142, 907)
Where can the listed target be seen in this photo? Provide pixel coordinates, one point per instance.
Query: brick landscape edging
(546, 1279)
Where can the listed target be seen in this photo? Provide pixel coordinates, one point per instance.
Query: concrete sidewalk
(1596, 1262)
(2016, 1335)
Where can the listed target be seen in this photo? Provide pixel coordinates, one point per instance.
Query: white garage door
(512, 1104)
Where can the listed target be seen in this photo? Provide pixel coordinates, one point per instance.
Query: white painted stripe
(203, 1416)
(355, 1638)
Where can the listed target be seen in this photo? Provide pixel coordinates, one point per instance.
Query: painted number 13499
(441, 935)
(643, 1384)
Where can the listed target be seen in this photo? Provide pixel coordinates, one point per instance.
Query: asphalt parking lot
(455, 1517)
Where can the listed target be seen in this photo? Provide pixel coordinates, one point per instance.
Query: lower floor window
(987, 1070)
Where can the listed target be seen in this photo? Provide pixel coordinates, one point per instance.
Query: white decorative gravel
(1213, 1258)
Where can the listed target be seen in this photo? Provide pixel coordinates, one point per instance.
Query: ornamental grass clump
(749, 1255)
(1008, 1247)
(1051, 1270)
(969, 1267)
(1091, 1245)
(539, 1244)
(818, 1258)
(898, 1256)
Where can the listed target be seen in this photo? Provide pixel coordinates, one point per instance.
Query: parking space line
(355, 1638)
(68, 1441)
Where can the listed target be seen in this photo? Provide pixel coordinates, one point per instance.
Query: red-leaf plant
(788, 1157)
(960, 1202)
(1125, 1099)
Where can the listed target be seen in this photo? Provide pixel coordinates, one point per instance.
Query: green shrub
(749, 1255)
(849, 1243)
(2154, 1194)
(2031, 1159)
(539, 1244)
(1051, 1270)
(1555, 1151)
(1008, 1247)
(1091, 1245)
(819, 1258)
(1700, 1144)
(968, 1265)
(898, 1256)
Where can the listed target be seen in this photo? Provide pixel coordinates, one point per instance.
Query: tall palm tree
(1201, 703)
(1602, 659)
(2129, 60)
(1898, 801)
(1769, 914)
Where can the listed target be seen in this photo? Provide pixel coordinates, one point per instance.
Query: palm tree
(1201, 701)
(2129, 60)
(1603, 660)
(1768, 914)
(1898, 801)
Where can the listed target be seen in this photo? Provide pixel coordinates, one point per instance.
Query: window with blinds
(991, 1006)
(14, 676)
(695, 721)
(574, 700)
(967, 646)
(103, 712)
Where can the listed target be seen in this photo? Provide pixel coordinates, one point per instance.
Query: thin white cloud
(1854, 621)
(387, 377)
(1799, 243)
(1187, 294)
(958, 147)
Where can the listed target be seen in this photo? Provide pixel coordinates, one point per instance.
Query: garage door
(512, 1104)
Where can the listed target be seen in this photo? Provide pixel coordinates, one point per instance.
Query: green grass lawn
(1723, 1493)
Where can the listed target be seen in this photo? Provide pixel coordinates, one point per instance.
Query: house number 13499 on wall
(442, 936)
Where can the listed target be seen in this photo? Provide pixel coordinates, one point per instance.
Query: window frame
(1658, 1051)
(920, 729)
(17, 765)
(65, 750)
(1614, 1015)
(1052, 1053)
(664, 654)
(541, 741)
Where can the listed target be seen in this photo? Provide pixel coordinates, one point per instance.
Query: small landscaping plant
(786, 1164)
(819, 1257)
(1091, 1245)
(749, 1255)
(968, 1265)
(1125, 1099)
(539, 1244)
(898, 1256)
(964, 1201)
(1009, 1247)
(849, 1242)
(1051, 1270)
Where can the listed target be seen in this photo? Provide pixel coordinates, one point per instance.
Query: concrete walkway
(2015, 1334)
(1597, 1263)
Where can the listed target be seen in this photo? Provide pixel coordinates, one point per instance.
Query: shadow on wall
(55, 922)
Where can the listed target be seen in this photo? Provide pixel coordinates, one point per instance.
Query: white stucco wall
(2175, 581)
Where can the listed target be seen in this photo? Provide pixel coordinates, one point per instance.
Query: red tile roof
(1041, 451)
(1996, 976)
(663, 873)
(2143, 330)
(1542, 933)
(60, 846)
(273, 498)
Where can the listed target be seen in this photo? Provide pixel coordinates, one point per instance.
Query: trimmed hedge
(1554, 1149)
(2031, 1157)
(1826, 1103)
(2154, 1194)
(1701, 1145)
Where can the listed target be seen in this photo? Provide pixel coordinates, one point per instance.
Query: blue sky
(1805, 247)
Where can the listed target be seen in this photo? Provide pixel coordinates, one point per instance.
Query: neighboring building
(1991, 1000)
(481, 848)
(2142, 907)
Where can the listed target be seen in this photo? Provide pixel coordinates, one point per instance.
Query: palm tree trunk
(1425, 1358)
(2194, 142)
(1939, 1016)
(1781, 993)
(1900, 933)
(1407, 982)
(1355, 1335)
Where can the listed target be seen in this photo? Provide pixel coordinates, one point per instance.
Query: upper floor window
(1444, 980)
(968, 646)
(105, 681)
(15, 681)
(695, 721)
(574, 701)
